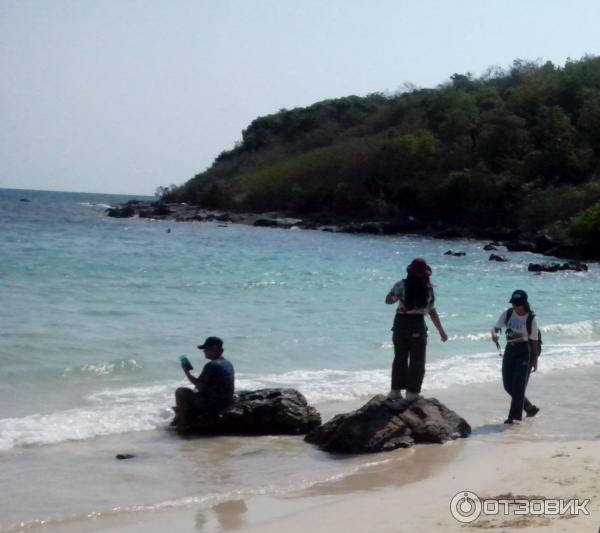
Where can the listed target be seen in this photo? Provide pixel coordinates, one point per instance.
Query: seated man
(214, 386)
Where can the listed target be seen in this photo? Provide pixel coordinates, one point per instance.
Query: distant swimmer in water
(416, 299)
(523, 345)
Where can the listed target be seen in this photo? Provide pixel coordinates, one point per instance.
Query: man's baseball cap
(518, 297)
(211, 342)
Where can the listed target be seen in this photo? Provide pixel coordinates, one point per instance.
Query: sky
(122, 96)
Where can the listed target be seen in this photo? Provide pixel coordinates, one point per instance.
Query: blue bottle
(185, 363)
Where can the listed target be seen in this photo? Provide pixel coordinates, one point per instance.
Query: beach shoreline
(297, 497)
(517, 470)
(412, 493)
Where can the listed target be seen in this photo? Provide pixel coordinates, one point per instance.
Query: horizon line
(74, 192)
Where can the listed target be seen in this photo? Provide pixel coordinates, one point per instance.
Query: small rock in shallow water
(122, 456)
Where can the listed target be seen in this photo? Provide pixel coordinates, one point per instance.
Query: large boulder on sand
(260, 412)
(384, 425)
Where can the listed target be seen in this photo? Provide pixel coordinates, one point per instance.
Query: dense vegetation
(518, 147)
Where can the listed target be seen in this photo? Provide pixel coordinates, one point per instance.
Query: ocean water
(95, 312)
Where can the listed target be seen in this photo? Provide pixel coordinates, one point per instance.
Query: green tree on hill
(471, 151)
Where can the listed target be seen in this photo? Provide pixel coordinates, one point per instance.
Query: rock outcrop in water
(577, 266)
(384, 425)
(260, 412)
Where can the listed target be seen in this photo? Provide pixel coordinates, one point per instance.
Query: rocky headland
(510, 239)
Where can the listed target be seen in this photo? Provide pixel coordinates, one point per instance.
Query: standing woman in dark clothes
(520, 355)
(416, 299)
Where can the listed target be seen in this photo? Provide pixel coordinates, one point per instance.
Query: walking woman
(520, 355)
(416, 299)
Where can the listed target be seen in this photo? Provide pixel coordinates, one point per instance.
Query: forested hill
(517, 148)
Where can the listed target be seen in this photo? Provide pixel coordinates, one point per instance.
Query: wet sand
(411, 494)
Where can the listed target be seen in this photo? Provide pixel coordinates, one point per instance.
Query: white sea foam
(471, 337)
(105, 414)
(89, 204)
(105, 368)
(140, 408)
(584, 328)
(341, 385)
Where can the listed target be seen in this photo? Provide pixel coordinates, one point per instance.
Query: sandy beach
(530, 471)
(376, 501)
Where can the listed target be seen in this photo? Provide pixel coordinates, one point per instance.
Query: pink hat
(419, 268)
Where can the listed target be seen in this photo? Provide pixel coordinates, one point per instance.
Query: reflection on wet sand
(228, 515)
(406, 466)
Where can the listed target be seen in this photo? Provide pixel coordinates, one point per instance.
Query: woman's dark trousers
(515, 374)
(410, 342)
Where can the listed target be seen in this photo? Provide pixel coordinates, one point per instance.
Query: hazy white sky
(125, 95)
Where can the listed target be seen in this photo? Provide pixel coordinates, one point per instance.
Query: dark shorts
(193, 403)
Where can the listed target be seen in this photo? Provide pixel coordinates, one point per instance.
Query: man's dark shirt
(216, 384)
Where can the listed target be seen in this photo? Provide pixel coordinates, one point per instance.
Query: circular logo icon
(465, 507)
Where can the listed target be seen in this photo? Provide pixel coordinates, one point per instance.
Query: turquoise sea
(95, 312)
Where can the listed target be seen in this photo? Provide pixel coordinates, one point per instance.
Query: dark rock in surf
(499, 258)
(521, 246)
(547, 267)
(384, 425)
(162, 210)
(543, 243)
(121, 211)
(260, 412)
(277, 222)
(455, 254)
(577, 266)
